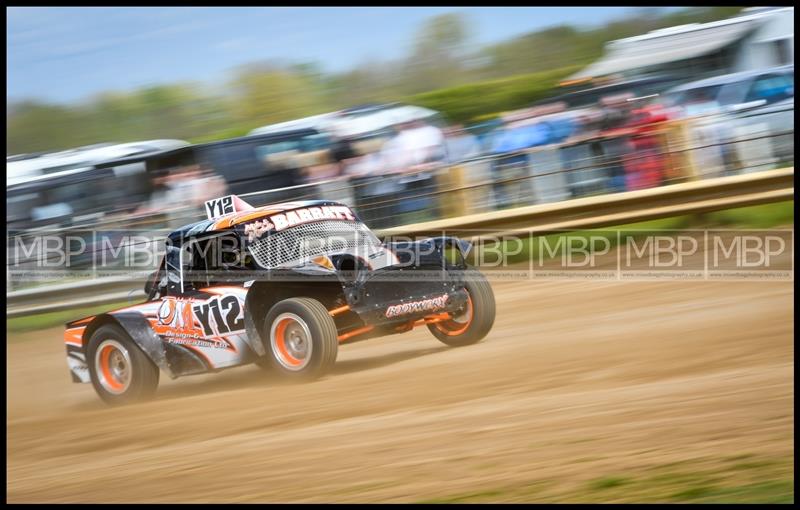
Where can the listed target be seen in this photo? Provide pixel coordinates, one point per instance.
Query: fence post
(681, 158)
(453, 203)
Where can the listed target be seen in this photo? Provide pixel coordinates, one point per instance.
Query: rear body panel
(187, 335)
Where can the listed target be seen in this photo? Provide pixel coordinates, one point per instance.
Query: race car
(281, 286)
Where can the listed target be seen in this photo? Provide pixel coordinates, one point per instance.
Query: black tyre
(301, 339)
(476, 321)
(120, 372)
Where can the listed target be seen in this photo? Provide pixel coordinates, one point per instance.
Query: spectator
(511, 165)
(208, 185)
(370, 186)
(424, 144)
(415, 145)
(341, 151)
(460, 144)
(183, 186)
(616, 111)
(320, 165)
(159, 194)
(432, 140)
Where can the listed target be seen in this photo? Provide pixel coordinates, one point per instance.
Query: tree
(439, 52)
(36, 126)
(266, 95)
(439, 72)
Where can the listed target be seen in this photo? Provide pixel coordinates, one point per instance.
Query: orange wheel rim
(291, 341)
(455, 327)
(113, 366)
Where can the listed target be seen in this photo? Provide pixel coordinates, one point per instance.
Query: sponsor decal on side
(200, 319)
(306, 215)
(257, 229)
(215, 344)
(425, 305)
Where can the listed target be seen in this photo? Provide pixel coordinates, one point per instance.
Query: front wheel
(475, 322)
(120, 371)
(301, 338)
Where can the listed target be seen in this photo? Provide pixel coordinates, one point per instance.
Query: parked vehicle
(731, 92)
(248, 164)
(357, 123)
(64, 187)
(583, 97)
(762, 136)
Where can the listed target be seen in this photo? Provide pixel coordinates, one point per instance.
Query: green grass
(707, 480)
(52, 319)
(554, 244)
(608, 482)
(779, 214)
(757, 216)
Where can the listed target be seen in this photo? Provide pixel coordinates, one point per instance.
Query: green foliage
(438, 57)
(470, 102)
(37, 126)
(267, 96)
(440, 72)
(565, 45)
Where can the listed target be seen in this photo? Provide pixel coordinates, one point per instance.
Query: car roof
(725, 79)
(56, 164)
(280, 135)
(315, 122)
(228, 221)
(353, 122)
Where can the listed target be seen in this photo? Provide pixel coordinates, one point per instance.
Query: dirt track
(578, 380)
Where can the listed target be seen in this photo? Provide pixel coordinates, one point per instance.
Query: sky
(68, 54)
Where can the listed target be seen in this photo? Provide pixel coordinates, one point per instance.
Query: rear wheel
(120, 372)
(301, 338)
(475, 321)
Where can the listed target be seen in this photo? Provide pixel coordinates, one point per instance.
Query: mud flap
(253, 336)
(173, 360)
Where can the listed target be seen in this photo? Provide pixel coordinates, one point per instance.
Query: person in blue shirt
(460, 144)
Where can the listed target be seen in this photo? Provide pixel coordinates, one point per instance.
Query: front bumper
(398, 295)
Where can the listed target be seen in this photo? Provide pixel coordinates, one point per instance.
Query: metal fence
(656, 155)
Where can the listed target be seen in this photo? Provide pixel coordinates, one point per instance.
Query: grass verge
(754, 217)
(53, 319)
(715, 480)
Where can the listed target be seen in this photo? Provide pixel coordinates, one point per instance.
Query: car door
(200, 313)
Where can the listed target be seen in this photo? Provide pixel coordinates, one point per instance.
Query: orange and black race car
(281, 286)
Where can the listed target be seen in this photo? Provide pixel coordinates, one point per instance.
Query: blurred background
(469, 111)
(123, 121)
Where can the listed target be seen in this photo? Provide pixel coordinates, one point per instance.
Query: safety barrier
(581, 213)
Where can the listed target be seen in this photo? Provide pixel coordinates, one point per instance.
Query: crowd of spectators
(391, 174)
